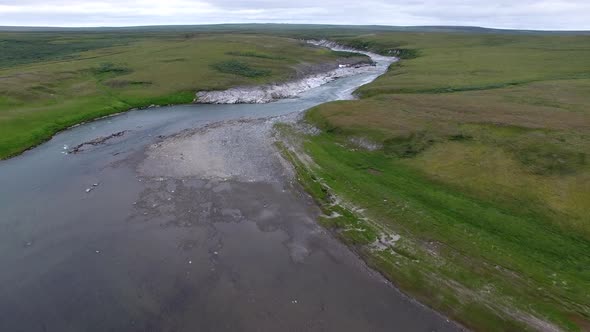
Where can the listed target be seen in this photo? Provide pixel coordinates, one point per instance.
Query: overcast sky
(519, 14)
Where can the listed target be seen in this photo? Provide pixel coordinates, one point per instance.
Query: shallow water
(141, 252)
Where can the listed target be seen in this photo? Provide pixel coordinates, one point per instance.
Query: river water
(132, 234)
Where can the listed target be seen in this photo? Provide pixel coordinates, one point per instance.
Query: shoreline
(288, 143)
(133, 108)
(102, 117)
(266, 93)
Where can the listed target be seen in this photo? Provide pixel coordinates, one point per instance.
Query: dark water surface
(141, 253)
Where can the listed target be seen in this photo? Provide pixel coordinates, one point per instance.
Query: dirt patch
(242, 150)
(583, 323)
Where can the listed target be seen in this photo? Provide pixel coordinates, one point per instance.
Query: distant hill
(256, 27)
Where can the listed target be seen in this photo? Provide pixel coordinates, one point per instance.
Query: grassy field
(475, 150)
(486, 61)
(49, 81)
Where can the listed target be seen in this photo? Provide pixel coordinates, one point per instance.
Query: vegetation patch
(344, 54)
(109, 68)
(390, 48)
(174, 60)
(408, 146)
(252, 54)
(126, 83)
(235, 67)
(551, 159)
(404, 53)
(18, 49)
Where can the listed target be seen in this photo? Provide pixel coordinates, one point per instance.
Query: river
(187, 220)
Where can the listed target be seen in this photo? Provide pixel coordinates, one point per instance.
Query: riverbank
(312, 77)
(114, 73)
(275, 91)
(468, 188)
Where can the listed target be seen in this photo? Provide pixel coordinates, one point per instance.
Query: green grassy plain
(481, 166)
(458, 62)
(49, 81)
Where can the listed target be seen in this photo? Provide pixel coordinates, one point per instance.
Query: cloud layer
(523, 14)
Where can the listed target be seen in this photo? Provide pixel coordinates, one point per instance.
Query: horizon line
(281, 23)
